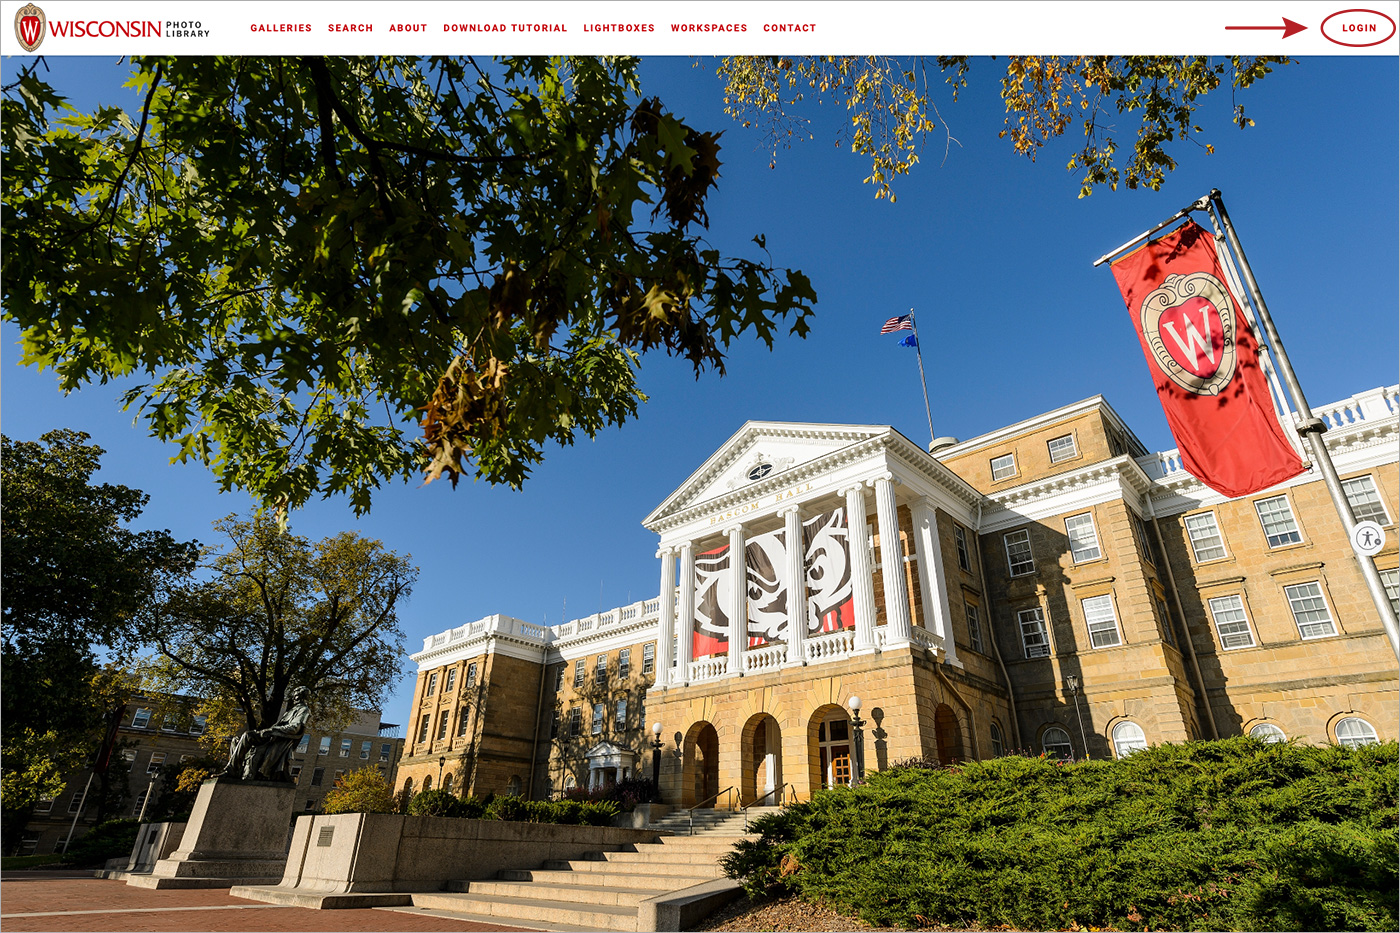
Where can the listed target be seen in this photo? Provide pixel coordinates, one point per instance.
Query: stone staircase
(603, 890)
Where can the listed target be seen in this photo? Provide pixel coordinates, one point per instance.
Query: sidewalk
(67, 900)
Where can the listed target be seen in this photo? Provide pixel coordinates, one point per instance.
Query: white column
(666, 625)
(932, 582)
(862, 582)
(738, 608)
(892, 563)
(797, 588)
(685, 621)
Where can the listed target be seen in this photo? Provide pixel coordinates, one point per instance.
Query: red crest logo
(1189, 323)
(29, 26)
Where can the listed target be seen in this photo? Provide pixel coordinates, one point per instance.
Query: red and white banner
(1204, 360)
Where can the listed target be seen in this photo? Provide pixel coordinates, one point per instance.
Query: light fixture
(854, 703)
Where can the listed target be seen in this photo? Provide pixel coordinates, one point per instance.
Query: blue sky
(993, 252)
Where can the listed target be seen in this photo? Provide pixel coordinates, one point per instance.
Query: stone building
(157, 732)
(1051, 586)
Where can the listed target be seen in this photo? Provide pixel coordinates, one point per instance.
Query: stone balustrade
(767, 658)
(710, 668)
(831, 647)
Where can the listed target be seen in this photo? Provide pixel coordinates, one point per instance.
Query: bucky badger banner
(827, 566)
(1205, 362)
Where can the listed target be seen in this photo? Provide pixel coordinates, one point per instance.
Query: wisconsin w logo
(1190, 325)
(29, 26)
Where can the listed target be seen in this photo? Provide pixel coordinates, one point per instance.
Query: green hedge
(104, 841)
(517, 809)
(1229, 835)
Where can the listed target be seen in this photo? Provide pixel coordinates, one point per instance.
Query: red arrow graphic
(1289, 27)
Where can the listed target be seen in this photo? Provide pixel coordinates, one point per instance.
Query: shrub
(364, 790)
(434, 803)
(1235, 834)
(473, 808)
(515, 809)
(104, 841)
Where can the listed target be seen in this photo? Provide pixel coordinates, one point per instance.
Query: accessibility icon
(1368, 538)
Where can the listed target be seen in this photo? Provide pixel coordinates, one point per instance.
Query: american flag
(903, 322)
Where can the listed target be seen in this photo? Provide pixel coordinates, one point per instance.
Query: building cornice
(1072, 410)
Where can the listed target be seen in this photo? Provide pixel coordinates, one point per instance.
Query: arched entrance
(762, 760)
(829, 735)
(700, 765)
(947, 732)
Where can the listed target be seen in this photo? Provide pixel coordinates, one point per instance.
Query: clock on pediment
(759, 466)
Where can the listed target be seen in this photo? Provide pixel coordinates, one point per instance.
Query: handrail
(715, 797)
(780, 790)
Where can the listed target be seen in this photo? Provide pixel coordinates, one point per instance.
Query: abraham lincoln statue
(265, 754)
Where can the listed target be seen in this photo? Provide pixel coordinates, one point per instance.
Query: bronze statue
(265, 754)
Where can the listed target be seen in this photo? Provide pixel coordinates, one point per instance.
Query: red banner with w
(1204, 360)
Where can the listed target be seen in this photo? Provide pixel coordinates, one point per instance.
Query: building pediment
(606, 754)
(758, 452)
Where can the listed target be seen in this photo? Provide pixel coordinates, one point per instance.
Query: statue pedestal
(237, 834)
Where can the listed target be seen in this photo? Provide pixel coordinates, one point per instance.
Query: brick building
(1050, 586)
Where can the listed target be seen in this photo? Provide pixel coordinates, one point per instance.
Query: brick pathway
(61, 901)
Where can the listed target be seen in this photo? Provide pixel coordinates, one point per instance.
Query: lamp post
(656, 762)
(857, 740)
(442, 760)
(1072, 684)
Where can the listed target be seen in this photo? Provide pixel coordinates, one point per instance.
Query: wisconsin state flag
(1204, 360)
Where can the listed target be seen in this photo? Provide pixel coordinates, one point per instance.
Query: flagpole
(919, 349)
(1312, 428)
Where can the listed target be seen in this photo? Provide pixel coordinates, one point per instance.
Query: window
(649, 658)
(1055, 742)
(157, 759)
(559, 677)
(1230, 622)
(1062, 448)
(1277, 518)
(1390, 579)
(1019, 560)
(142, 719)
(1144, 542)
(44, 805)
(365, 749)
(303, 744)
(1003, 466)
(339, 773)
(386, 751)
(578, 672)
(345, 748)
(432, 684)
(167, 723)
(600, 669)
(1033, 636)
(575, 722)
(442, 725)
(1268, 732)
(447, 782)
(461, 722)
(139, 805)
(471, 675)
(597, 719)
(998, 743)
(1168, 628)
(1365, 500)
(1353, 732)
(1103, 625)
(620, 720)
(1128, 738)
(198, 724)
(1083, 539)
(624, 662)
(75, 803)
(296, 772)
(427, 783)
(310, 805)
(960, 539)
(554, 725)
(422, 733)
(129, 755)
(1204, 533)
(974, 626)
(1310, 610)
(451, 680)
(325, 747)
